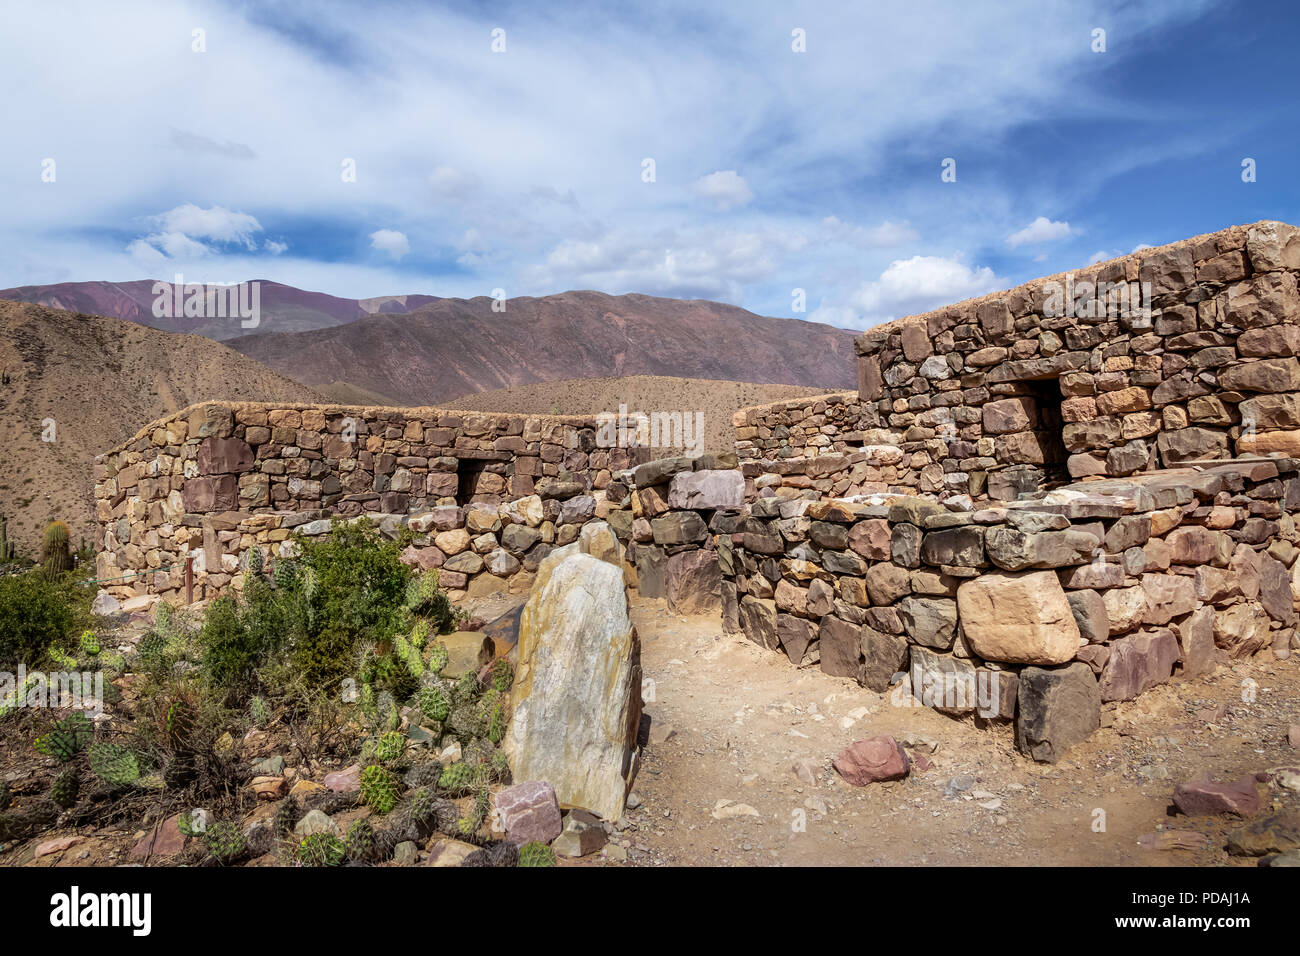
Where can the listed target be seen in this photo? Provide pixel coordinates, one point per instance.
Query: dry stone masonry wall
(1037, 502)
(213, 480)
(1170, 355)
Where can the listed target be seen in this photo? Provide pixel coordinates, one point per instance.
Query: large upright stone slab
(577, 695)
(1018, 618)
(1057, 707)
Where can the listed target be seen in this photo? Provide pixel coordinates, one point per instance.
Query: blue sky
(523, 169)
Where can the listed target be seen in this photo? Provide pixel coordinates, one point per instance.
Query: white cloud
(697, 263)
(919, 284)
(275, 248)
(392, 242)
(496, 143)
(725, 189)
(1041, 229)
(217, 223)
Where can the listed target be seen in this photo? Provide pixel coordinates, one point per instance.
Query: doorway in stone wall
(1046, 393)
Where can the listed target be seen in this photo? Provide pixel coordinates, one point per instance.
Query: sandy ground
(737, 717)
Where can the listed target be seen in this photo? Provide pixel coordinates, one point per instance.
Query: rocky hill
(98, 380)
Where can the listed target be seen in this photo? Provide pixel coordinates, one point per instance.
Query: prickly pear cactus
(192, 823)
(114, 764)
(438, 657)
(285, 574)
(67, 737)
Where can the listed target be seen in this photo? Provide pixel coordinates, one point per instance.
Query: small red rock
(344, 781)
(529, 812)
(165, 839)
(56, 846)
(1203, 796)
(871, 761)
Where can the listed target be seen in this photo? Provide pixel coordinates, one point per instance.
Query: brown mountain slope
(283, 308)
(457, 346)
(99, 379)
(640, 393)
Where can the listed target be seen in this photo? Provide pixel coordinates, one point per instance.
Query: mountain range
(418, 349)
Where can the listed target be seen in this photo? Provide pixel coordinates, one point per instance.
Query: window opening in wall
(1047, 397)
(468, 471)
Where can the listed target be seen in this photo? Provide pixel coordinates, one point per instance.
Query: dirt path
(737, 718)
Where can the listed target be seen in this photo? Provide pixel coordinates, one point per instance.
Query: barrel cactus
(391, 746)
(503, 675)
(66, 788)
(225, 841)
(56, 558)
(536, 854)
(458, 778)
(258, 712)
(321, 849)
(379, 788)
(359, 843)
(90, 643)
(434, 704)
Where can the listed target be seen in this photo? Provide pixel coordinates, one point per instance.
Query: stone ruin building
(1035, 502)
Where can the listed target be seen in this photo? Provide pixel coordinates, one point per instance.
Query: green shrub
(37, 612)
(230, 651)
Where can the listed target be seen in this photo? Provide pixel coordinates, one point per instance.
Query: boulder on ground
(529, 812)
(871, 761)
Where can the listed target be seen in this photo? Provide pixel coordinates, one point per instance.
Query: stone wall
(1170, 355)
(215, 478)
(1132, 579)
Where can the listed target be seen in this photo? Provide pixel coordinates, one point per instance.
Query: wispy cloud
(774, 169)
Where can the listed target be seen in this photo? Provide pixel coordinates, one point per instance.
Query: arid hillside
(454, 347)
(90, 382)
(716, 400)
(283, 308)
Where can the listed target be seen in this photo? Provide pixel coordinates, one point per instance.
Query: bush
(37, 612)
(345, 593)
